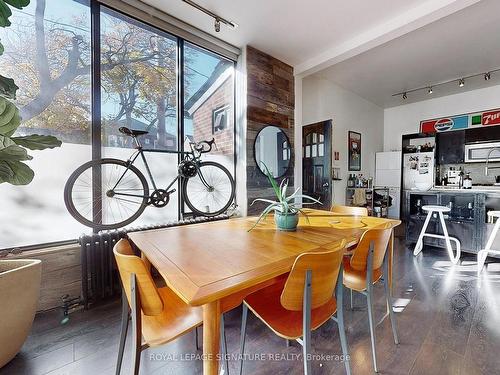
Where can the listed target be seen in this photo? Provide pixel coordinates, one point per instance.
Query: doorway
(317, 163)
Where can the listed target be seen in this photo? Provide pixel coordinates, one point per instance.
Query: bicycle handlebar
(200, 146)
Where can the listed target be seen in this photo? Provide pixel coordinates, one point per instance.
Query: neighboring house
(211, 111)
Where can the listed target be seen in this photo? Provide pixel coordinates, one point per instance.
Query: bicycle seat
(132, 132)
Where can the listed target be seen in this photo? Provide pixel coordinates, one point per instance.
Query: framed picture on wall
(354, 150)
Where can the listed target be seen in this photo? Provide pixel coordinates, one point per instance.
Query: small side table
(420, 244)
(482, 254)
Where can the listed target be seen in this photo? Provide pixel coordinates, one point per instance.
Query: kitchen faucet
(488, 159)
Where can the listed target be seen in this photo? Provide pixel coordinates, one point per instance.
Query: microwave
(475, 153)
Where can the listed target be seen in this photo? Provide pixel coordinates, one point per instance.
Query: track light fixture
(461, 83)
(217, 19)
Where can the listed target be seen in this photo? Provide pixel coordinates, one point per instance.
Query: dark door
(317, 162)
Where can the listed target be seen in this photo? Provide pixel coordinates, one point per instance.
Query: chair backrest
(380, 236)
(348, 210)
(128, 264)
(324, 267)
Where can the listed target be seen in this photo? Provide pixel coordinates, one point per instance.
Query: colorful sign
(491, 118)
(445, 124)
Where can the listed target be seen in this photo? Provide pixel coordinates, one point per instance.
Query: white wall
(406, 119)
(324, 100)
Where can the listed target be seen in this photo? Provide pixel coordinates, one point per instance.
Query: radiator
(100, 279)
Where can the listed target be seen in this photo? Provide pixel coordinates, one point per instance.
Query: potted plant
(19, 278)
(286, 210)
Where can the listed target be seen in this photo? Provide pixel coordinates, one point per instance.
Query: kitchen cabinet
(450, 147)
(482, 134)
(468, 220)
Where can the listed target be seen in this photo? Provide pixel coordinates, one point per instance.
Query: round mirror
(272, 150)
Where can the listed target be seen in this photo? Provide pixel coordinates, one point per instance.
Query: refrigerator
(388, 174)
(418, 171)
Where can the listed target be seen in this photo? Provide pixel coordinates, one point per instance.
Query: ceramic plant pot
(19, 291)
(286, 222)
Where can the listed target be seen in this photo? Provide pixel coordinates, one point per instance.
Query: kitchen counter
(456, 189)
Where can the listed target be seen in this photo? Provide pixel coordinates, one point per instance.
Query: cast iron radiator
(100, 280)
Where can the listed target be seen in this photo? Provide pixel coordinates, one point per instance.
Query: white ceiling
(291, 30)
(461, 44)
(373, 48)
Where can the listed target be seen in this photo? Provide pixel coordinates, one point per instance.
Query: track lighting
(217, 19)
(461, 83)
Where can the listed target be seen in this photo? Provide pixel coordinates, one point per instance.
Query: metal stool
(420, 244)
(482, 254)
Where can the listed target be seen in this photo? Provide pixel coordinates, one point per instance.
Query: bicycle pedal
(171, 191)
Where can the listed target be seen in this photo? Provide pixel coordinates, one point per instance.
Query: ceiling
(461, 44)
(290, 30)
(372, 48)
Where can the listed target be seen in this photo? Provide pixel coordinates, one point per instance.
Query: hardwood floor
(449, 325)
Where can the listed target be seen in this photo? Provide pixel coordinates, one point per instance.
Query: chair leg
(123, 333)
(352, 305)
(453, 259)
(369, 300)
(136, 326)
(481, 259)
(340, 320)
(306, 327)
(196, 338)
(388, 296)
(243, 334)
(224, 345)
(420, 244)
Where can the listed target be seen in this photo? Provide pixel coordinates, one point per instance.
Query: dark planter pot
(286, 222)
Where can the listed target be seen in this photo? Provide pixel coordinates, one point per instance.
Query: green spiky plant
(284, 204)
(13, 150)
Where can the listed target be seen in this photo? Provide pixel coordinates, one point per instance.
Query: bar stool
(482, 254)
(420, 244)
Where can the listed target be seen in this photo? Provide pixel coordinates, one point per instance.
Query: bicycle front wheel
(211, 191)
(106, 194)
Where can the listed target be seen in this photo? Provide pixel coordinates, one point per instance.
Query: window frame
(96, 8)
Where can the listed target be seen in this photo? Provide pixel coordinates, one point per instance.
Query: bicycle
(111, 193)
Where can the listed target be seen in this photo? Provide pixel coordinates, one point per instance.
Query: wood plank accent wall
(61, 273)
(271, 101)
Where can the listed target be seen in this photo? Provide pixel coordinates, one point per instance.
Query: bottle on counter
(467, 184)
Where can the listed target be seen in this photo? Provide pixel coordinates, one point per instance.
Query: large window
(48, 53)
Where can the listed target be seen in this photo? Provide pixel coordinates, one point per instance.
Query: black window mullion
(95, 26)
(180, 117)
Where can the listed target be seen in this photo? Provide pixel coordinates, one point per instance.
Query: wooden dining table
(216, 264)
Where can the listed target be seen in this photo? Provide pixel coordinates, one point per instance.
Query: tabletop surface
(207, 261)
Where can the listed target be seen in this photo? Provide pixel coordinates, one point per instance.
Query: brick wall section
(202, 119)
(271, 101)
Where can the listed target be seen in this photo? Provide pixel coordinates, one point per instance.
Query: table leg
(391, 258)
(211, 337)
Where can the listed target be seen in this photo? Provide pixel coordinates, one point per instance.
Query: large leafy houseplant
(286, 208)
(13, 150)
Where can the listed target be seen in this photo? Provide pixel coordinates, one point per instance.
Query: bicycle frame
(190, 155)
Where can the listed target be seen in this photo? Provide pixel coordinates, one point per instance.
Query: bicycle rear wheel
(211, 191)
(106, 194)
